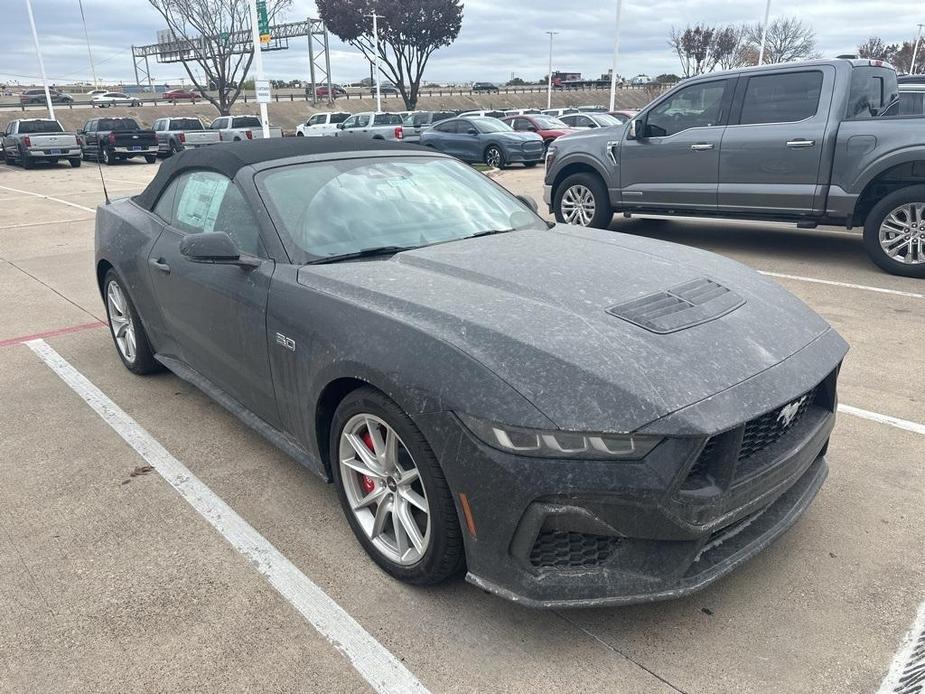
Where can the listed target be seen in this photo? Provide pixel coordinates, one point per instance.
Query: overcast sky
(499, 37)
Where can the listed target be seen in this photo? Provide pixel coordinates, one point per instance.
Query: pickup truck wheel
(150, 158)
(75, 162)
(894, 232)
(26, 160)
(581, 199)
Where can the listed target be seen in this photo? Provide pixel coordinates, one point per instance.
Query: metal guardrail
(292, 97)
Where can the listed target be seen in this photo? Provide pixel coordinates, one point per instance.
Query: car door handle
(800, 144)
(702, 146)
(160, 264)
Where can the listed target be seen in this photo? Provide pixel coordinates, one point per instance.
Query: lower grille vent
(560, 549)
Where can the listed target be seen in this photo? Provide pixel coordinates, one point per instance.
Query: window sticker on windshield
(201, 199)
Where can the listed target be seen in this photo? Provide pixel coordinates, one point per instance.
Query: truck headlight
(555, 443)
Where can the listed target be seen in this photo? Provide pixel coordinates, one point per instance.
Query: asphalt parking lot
(115, 577)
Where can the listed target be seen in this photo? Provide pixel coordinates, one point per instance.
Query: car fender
(570, 160)
(888, 161)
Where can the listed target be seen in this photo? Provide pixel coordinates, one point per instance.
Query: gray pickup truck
(811, 143)
(176, 134)
(30, 140)
(372, 125)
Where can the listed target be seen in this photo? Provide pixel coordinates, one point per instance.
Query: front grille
(559, 549)
(767, 429)
(758, 435)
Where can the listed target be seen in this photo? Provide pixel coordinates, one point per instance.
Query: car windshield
(345, 206)
(490, 125)
(185, 124)
(548, 122)
(605, 120)
(32, 127)
(117, 124)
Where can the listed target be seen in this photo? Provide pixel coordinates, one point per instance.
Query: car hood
(516, 136)
(532, 306)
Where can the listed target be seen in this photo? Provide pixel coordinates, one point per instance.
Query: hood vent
(680, 307)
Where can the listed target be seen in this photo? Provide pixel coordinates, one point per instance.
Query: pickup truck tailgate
(142, 139)
(55, 141)
(197, 138)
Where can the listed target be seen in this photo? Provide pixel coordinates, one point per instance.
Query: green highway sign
(263, 23)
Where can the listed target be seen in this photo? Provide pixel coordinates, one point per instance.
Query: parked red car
(336, 91)
(547, 127)
(181, 95)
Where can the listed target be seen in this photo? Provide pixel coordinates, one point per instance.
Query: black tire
(299, 134)
(530, 164)
(603, 212)
(494, 157)
(444, 555)
(150, 158)
(26, 161)
(104, 156)
(75, 162)
(144, 362)
(876, 217)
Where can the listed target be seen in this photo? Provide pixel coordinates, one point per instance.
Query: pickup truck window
(696, 106)
(339, 117)
(246, 122)
(387, 119)
(873, 89)
(33, 127)
(185, 124)
(105, 124)
(316, 120)
(783, 98)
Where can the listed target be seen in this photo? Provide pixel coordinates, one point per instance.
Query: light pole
(764, 32)
(915, 50)
(258, 66)
(38, 52)
(376, 58)
(87, 37)
(616, 49)
(549, 85)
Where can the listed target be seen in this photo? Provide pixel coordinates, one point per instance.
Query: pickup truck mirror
(634, 131)
(340, 126)
(215, 247)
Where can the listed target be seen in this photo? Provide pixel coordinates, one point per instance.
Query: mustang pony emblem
(788, 412)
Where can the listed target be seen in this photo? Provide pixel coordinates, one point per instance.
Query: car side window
(521, 124)
(696, 106)
(338, 118)
(316, 120)
(350, 122)
(165, 203)
(445, 127)
(782, 98)
(208, 201)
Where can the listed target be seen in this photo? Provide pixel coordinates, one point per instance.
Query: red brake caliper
(366, 482)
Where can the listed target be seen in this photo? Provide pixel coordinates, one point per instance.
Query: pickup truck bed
(28, 141)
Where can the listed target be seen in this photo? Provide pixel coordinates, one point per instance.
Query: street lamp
(376, 56)
(764, 32)
(616, 48)
(915, 50)
(549, 86)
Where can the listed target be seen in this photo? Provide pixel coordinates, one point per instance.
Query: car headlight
(539, 443)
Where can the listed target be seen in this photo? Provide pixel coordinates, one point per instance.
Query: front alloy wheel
(578, 205)
(384, 490)
(494, 157)
(902, 234)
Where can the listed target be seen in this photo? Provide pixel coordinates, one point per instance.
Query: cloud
(498, 39)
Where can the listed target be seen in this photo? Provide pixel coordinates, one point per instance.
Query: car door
(772, 148)
(673, 162)
(216, 313)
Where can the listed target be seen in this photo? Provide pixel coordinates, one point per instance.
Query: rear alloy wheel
(894, 232)
(494, 157)
(581, 199)
(128, 334)
(393, 491)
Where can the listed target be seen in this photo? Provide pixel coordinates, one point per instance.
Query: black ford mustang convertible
(575, 416)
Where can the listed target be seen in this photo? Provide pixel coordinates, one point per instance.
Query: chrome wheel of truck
(894, 232)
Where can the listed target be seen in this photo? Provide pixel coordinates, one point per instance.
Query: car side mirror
(529, 202)
(340, 126)
(215, 247)
(532, 128)
(472, 131)
(633, 131)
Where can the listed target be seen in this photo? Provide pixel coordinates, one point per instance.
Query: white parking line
(378, 666)
(847, 285)
(41, 224)
(48, 197)
(907, 671)
(914, 427)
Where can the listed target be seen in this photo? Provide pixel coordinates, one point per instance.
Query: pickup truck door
(216, 313)
(674, 161)
(772, 151)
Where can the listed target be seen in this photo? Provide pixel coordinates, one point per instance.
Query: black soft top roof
(228, 158)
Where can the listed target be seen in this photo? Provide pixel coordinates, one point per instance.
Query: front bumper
(560, 533)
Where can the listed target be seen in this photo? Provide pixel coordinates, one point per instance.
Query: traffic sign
(263, 22)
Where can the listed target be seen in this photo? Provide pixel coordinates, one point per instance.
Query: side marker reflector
(467, 512)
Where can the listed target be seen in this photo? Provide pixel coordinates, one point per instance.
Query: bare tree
(204, 30)
(788, 39)
(409, 32)
(701, 48)
(875, 49)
